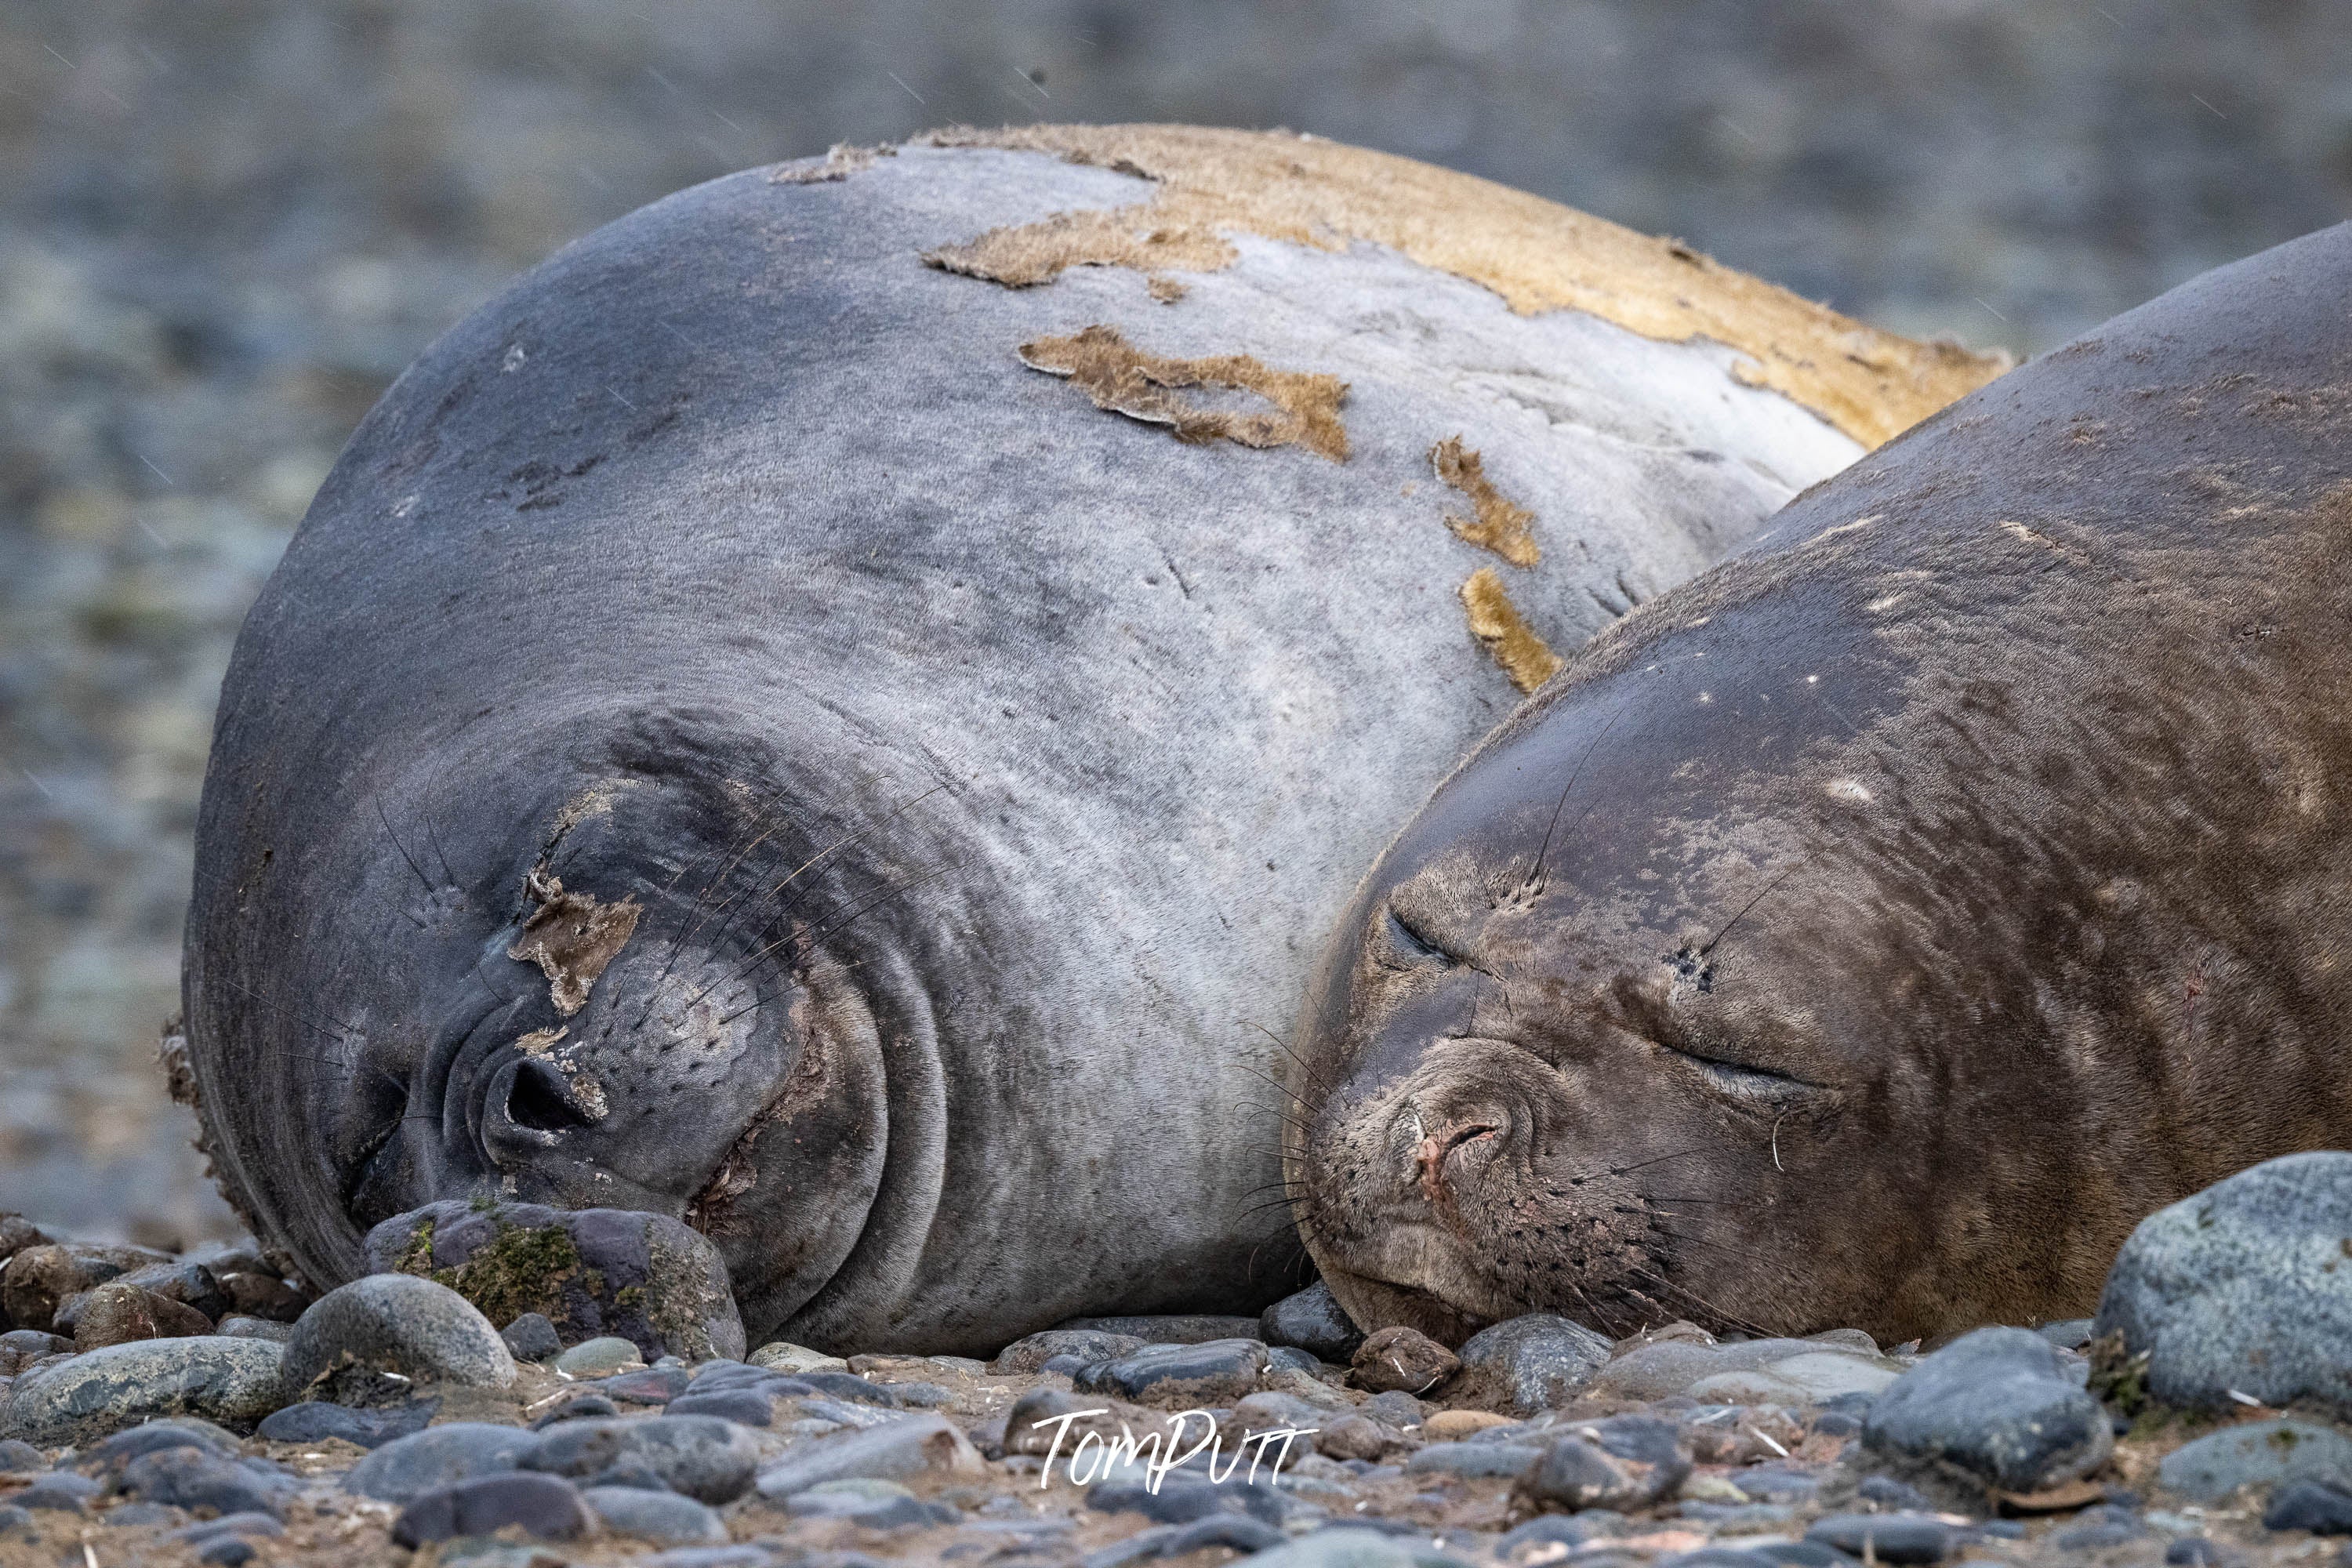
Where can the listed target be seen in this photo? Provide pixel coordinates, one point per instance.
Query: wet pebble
(782, 1355)
(1187, 1374)
(1402, 1360)
(1901, 1539)
(317, 1421)
(869, 1504)
(2258, 1454)
(908, 1446)
(2315, 1505)
(1999, 1403)
(86, 1396)
(532, 1337)
(599, 1357)
(1622, 1463)
(1087, 1346)
(116, 1313)
(194, 1479)
(1532, 1363)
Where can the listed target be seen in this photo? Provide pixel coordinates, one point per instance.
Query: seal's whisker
(385, 817)
(1536, 871)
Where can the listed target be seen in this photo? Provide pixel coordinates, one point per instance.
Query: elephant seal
(825, 708)
(1872, 930)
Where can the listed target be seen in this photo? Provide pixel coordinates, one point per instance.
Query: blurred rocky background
(226, 225)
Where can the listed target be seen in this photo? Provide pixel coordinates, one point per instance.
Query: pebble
(437, 1458)
(2193, 1552)
(593, 1273)
(2257, 1454)
(582, 1408)
(2097, 1529)
(1895, 1538)
(744, 1407)
(1398, 1408)
(1314, 1322)
(701, 1456)
(37, 1279)
(59, 1491)
(1354, 1545)
(652, 1385)
(18, 1455)
(1532, 1363)
(316, 1421)
(15, 1520)
(781, 1355)
(1088, 1345)
(911, 1446)
(101, 1391)
(1181, 1498)
(531, 1337)
(116, 1313)
(1182, 1329)
(190, 1283)
(1204, 1373)
(2314, 1506)
(2238, 1288)
(20, 1348)
(181, 1432)
(192, 1478)
(1621, 1463)
(599, 1357)
(1999, 1403)
(399, 1324)
(540, 1506)
(2071, 1334)
(1402, 1359)
(1661, 1368)
(663, 1518)
(265, 1296)
(869, 1504)
(1355, 1438)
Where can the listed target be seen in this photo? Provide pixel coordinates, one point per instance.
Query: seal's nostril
(536, 1099)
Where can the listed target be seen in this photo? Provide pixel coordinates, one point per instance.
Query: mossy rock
(644, 1276)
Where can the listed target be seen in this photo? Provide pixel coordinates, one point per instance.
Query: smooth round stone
(1314, 1322)
(99, 1391)
(1402, 1359)
(1622, 1463)
(1210, 1371)
(599, 1357)
(437, 1456)
(907, 1446)
(701, 1456)
(194, 1479)
(58, 1492)
(1356, 1546)
(1535, 1362)
(1177, 1329)
(37, 1281)
(585, 1407)
(744, 1407)
(781, 1355)
(398, 1323)
(15, 1520)
(20, 1456)
(318, 1421)
(540, 1506)
(116, 1313)
(1997, 1403)
(663, 1518)
(2193, 1552)
(139, 1515)
(2315, 1505)
(237, 1327)
(181, 1432)
(1473, 1460)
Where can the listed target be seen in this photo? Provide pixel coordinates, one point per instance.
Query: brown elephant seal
(1872, 930)
(834, 709)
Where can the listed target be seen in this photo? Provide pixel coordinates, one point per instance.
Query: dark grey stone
(1536, 1363)
(254, 1526)
(236, 1326)
(315, 1421)
(2244, 1286)
(1210, 1372)
(1895, 1538)
(663, 1518)
(225, 1551)
(58, 1492)
(581, 1408)
(437, 1456)
(532, 1337)
(109, 1457)
(1623, 1463)
(1088, 1345)
(1287, 1358)
(910, 1445)
(192, 1479)
(745, 1407)
(1884, 1493)
(15, 1520)
(1236, 1533)
(1183, 1498)
(2315, 1505)
(1474, 1460)
(702, 1457)
(1314, 1322)
(396, 1323)
(847, 1385)
(653, 1385)
(2095, 1528)
(18, 1455)
(542, 1507)
(2193, 1552)
(1396, 1407)
(645, 1278)
(1999, 1403)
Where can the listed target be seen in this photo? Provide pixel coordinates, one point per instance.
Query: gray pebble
(101, 1391)
(2242, 1287)
(1623, 1463)
(1997, 1403)
(315, 1421)
(15, 1520)
(699, 1456)
(236, 1326)
(531, 1337)
(1182, 1329)
(1088, 1345)
(599, 1357)
(2257, 1454)
(435, 1458)
(399, 1324)
(582, 1407)
(1895, 1538)
(1475, 1459)
(1212, 1371)
(540, 1506)
(910, 1445)
(1535, 1362)
(194, 1479)
(2315, 1505)
(58, 1492)
(745, 1407)
(663, 1518)
(1314, 1322)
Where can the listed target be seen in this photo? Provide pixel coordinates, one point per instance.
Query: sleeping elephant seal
(1875, 929)
(836, 708)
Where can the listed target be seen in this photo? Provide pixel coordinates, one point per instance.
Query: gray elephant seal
(833, 708)
(1873, 929)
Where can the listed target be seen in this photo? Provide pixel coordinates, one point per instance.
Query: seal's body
(836, 707)
(1873, 929)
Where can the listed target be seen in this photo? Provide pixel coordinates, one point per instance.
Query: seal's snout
(528, 1107)
(1453, 1150)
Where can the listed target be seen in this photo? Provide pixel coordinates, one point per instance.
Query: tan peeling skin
(572, 937)
(1502, 525)
(539, 1042)
(1496, 622)
(1126, 380)
(1537, 255)
(839, 162)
